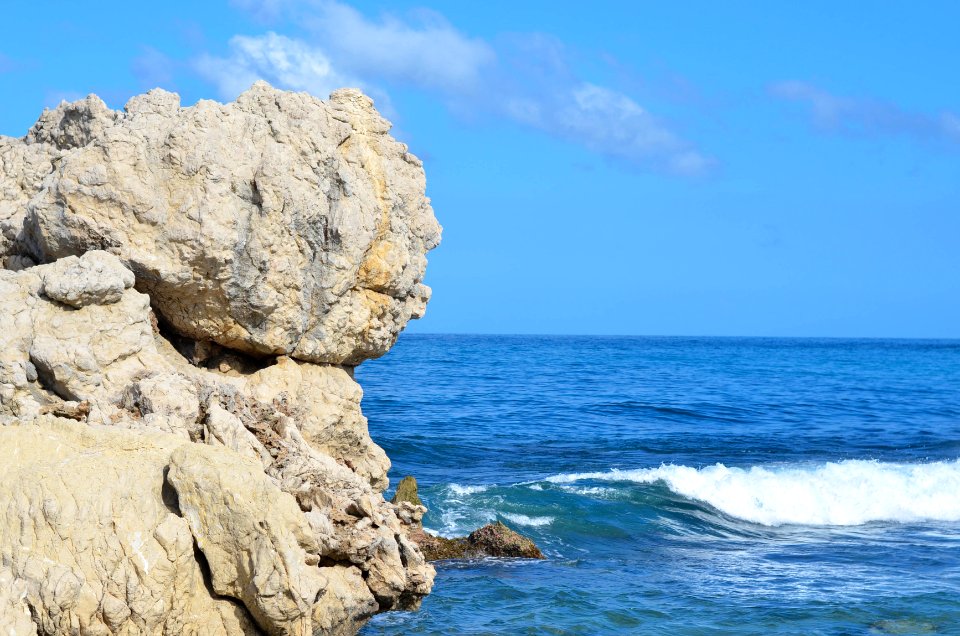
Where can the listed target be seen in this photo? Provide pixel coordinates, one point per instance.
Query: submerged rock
(493, 539)
(183, 292)
(496, 539)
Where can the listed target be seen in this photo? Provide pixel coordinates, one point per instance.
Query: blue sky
(697, 168)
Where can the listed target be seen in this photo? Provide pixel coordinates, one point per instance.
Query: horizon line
(627, 335)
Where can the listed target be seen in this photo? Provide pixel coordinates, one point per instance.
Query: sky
(649, 168)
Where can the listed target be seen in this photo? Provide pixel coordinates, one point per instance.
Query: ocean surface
(682, 485)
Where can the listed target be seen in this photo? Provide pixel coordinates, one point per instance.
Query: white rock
(15, 619)
(278, 224)
(256, 540)
(96, 278)
(290, 231)
(98, 548)
(223, 428)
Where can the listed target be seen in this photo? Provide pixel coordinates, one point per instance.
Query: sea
(681, 485)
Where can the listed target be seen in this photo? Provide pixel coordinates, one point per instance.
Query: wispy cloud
(428, 53)
(524, 78)
(612, 124)
(857, 116)
(282, 61)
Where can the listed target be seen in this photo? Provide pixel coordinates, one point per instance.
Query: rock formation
(183, 296)
(493, 539)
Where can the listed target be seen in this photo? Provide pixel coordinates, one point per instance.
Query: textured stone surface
(96, 278)
(278, 224)
(86, 531)
(496, 539)
(492, 540)
(256, 541)
(15, 619)
(206, 276)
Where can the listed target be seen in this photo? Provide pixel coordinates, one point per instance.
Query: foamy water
(458, 489)
(844, 493)
(524, 520)
(754, 506)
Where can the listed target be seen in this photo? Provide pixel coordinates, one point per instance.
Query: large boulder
(96, 278)
(277, 224)
(183, 294)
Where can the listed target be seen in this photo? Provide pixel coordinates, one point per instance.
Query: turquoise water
(682, 485)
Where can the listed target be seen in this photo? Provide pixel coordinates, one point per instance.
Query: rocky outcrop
(184, 292)
(96, 540)
(407, 492)
(275, 225)
(493, 540)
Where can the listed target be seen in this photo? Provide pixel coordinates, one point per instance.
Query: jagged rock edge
(19, 260)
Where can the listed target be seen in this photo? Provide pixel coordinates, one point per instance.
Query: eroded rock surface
(88, 534)
(182, 449)
(96, 278)
(277, 225)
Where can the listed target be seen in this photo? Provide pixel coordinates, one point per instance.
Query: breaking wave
(524, 520)
(845, 493)
(458, 489)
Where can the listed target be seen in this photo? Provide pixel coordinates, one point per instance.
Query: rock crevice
(184, 293)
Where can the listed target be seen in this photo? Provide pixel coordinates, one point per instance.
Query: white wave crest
(843, 493)
(524, 520)
(461, 520)
(457, 489)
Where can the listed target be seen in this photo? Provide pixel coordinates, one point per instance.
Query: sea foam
(524, 520)
(458, 489)
(846, 493)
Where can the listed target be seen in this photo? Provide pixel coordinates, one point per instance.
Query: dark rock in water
(493, 539)
(407, 491)
(439, 548)
(498, 540)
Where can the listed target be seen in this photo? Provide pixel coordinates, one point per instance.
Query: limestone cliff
(183, 296)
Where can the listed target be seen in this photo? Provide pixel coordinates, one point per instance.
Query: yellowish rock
(191, 286)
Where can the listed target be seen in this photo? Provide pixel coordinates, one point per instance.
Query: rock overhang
(277, 241)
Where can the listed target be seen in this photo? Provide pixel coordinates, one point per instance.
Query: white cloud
(526, 79)
(426, 51)
(867, 116)
(282, 61)
(429, 53)
(951, 125)
(827, 109)
(612, 124)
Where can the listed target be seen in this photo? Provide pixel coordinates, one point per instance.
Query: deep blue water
(682, 485)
